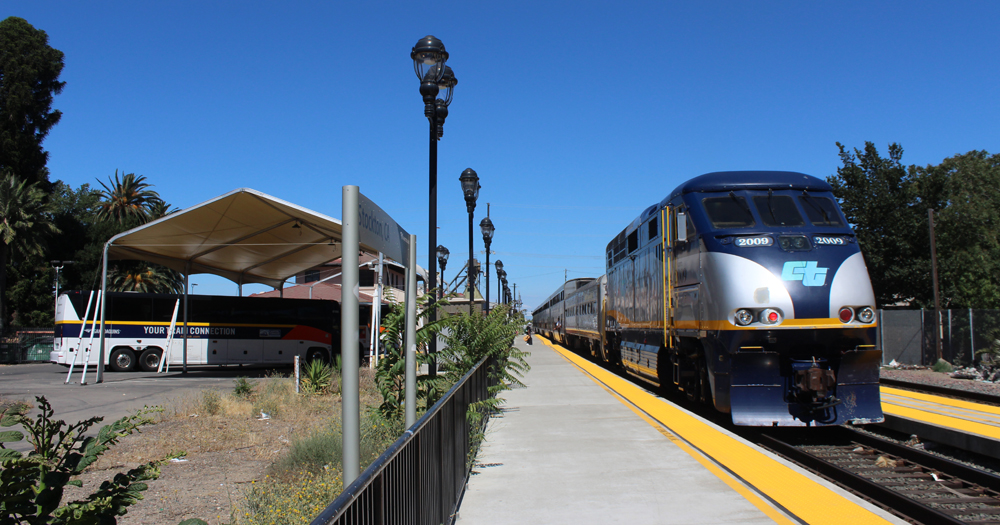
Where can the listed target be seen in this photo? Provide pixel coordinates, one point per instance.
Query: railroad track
(919, 486)
(978, 397)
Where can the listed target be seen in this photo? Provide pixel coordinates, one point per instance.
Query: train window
(821, 211)
(652, 228)
(633, 241)
(778, 210)
(728, 212)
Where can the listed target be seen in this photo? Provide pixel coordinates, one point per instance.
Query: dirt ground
(206, 484)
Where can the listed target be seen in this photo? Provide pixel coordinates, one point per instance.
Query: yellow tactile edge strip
(947, 401)
(952, 422)
(803, 498)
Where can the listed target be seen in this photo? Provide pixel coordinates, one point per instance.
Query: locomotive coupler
(814, 383)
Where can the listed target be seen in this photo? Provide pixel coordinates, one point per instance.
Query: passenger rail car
(223, 330)
(748, 291)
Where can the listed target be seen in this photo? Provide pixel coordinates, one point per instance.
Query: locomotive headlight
(866, 315)
(744, 317)
(770, 316)
(846, 314)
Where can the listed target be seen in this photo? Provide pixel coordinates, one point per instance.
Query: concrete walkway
(567, 451)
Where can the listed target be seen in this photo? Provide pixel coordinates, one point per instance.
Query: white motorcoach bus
(223, 330)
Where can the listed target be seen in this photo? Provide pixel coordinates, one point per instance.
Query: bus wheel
(122, 360)
(317, 354)
(149, 361)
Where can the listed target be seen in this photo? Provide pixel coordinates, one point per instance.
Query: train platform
(965, 425)
(582, 445)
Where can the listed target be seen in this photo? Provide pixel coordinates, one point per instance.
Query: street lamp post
(58, 265)
(501, 278)
(499, 268)
(487, 228)
(470, 187)
(442, 254)
(429, 57)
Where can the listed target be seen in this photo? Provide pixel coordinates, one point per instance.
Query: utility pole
(937, 291)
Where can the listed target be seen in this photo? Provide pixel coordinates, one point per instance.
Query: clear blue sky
(576, 115)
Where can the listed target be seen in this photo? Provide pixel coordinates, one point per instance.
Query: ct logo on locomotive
(805, 271)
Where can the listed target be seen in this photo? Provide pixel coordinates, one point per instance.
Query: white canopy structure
(245, 236)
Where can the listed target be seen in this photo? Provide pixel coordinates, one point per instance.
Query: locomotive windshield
(728, 212)
(822, 211)
(778, 210)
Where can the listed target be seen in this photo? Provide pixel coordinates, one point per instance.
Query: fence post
(972, 339)
(298, 379)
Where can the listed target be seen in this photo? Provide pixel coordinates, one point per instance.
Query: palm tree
(158, 209)
(24, 223)
(127, 201)
(141, 276)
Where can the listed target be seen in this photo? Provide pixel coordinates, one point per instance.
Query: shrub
(317, 378)
(292, 500)
(32, 485)
(390, 372)
(211, 402)
(942, 366)
(243, 388)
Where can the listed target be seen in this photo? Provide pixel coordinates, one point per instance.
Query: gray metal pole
(972, 339)
(184, 359)
(410, 403)
(350, 382)
(937, 292)
(103, 301)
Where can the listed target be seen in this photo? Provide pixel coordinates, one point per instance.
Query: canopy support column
(104, 302)
(184, 359)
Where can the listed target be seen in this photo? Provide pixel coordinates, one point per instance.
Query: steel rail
(887, 497)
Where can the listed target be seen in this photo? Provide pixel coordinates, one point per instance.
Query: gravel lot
(930, 377)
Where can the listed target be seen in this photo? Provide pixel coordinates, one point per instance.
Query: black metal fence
(908, 336)
(25, 345)
(421, 477)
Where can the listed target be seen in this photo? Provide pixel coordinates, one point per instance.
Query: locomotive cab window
(728, 212)
(778, 210)
(821, 210)
(652, 228)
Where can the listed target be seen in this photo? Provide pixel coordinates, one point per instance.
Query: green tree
(29, 78)
(24, 224)
(144, 277)
(963, 192)
(877, 195)
(128, 200)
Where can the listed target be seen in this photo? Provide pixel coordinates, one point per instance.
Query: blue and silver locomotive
(745, 290)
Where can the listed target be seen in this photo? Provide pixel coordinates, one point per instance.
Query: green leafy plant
(32, 485)
(474, 337)
(243, 388)
(390, 372)
(317, 378)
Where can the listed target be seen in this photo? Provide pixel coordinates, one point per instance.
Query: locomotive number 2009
(744, 242)
(830, 241)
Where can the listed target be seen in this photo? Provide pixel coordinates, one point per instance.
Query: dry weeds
(228, 447)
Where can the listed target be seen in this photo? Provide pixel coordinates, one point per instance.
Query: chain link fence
(967, 336)
(26, 345)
